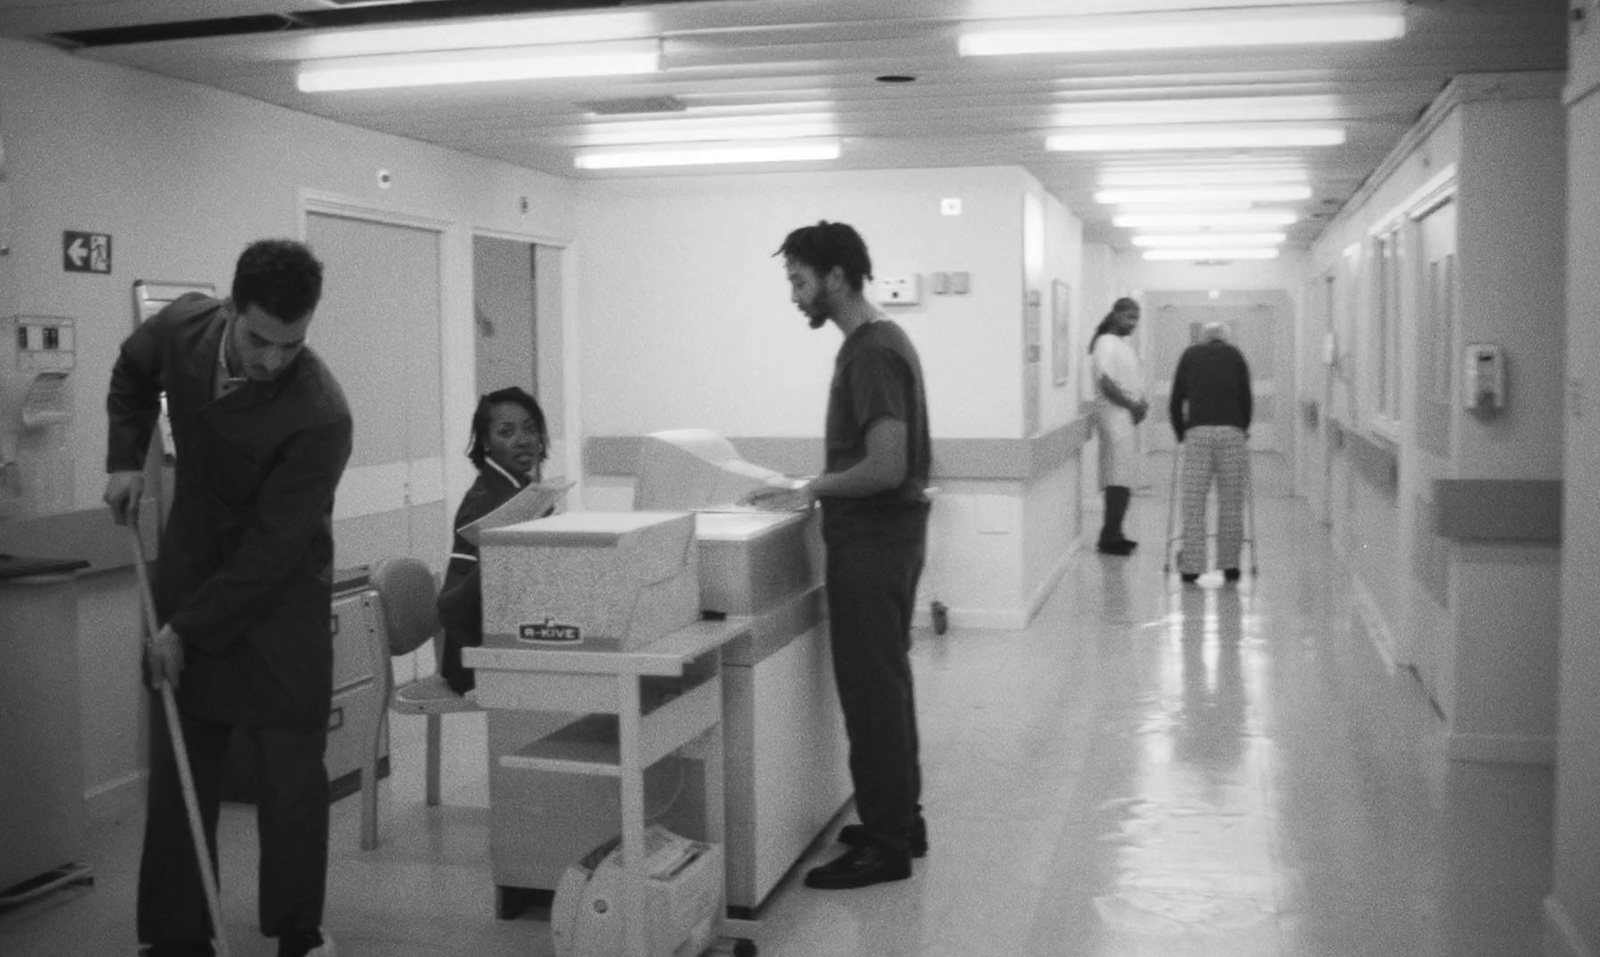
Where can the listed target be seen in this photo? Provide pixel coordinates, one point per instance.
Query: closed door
(378, 330)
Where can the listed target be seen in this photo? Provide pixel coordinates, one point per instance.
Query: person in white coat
(1119, 408)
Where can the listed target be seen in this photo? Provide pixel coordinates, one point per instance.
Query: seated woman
(508, 447)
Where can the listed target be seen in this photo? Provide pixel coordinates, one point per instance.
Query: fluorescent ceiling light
(721, 128)
(481, 66)
(1210, 254)
(1254, 217)
(476, 34)
(1233, 109)
(710, 153)
(1198, 137)
(1353, 23)
(1203, 240)
(1221, 195)
(1199, 177)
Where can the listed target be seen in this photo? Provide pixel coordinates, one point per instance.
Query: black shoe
(871, 863)
(1230, 574)
(1189, 578)
(309, 943)
(1116, 548)
(855, 835)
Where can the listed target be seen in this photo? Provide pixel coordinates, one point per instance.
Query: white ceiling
(790, 60)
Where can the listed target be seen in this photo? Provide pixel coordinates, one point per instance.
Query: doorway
(517, 328)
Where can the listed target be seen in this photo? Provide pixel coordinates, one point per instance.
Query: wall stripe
(1498, 510)
(967, 459)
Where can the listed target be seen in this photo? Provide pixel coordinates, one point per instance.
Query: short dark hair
(827, 245)
(280, 276)
(478, 446)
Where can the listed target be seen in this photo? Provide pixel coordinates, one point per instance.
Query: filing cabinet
(356, 698)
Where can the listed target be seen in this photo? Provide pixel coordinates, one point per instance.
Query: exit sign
(86, 252)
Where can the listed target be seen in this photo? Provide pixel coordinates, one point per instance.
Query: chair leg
(434, 722)
(369, 787)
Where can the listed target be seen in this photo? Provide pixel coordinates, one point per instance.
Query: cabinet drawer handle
(335, 619)
(336, 718)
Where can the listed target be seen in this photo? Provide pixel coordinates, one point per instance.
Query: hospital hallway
(1148, 769)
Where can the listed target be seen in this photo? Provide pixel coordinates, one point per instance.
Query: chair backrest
(408, 596)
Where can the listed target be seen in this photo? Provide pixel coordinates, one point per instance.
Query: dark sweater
(1210, 387)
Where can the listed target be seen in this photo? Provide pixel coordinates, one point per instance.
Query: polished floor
(1148, 770)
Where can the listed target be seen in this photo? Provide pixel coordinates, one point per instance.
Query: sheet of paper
(535, 501)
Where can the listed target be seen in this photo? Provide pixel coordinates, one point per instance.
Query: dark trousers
(291, 817)
(1116, 508)
(872, 587)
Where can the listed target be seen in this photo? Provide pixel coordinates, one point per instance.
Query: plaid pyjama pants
(1210, 452)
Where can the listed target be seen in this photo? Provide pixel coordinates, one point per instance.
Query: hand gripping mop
(180, 750)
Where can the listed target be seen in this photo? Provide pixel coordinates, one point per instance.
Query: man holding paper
(509, 444)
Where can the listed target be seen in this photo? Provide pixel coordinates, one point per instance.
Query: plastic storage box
(612, 580)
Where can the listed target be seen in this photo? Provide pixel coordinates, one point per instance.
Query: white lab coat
(1114, 358)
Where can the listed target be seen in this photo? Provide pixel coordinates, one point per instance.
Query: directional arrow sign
(86, 252)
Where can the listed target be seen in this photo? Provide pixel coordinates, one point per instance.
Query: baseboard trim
(981, 619)
(1004, 619)
(1377, 628)
(116, 799)
(1041, 594)
(1560, 936)
(1501, 748)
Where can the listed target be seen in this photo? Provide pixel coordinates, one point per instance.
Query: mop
(180, 750)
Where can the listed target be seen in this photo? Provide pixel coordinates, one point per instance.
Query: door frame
(571, 444)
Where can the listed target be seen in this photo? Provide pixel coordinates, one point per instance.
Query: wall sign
(86, 252)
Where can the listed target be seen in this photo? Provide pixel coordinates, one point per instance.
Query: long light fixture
(1190, 197)
(804, 126)
(1348, 23)
(433, 68)
(1197, 137)
(1211, 254)
(1205, 240)
(1246, 218)
(1232, 109)
(1167, 179)
(771, 151)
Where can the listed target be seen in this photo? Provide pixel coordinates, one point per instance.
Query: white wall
(680, 290)
(183, 177)
(1502, 138)
(1513, 210)
(1573, 907)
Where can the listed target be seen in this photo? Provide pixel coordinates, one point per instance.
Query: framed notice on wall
(1061, 331)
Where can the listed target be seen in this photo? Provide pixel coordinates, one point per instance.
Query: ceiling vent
(333, 13)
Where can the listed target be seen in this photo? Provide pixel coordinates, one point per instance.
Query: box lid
(741, 526)
(580, 529)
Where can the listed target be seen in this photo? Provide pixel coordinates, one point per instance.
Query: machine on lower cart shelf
(680, 898)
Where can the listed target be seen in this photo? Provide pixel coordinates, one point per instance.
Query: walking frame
(180, 751)
(1175, 505)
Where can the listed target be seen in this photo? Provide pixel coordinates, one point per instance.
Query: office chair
(407, 594)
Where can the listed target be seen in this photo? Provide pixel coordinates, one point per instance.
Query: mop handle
(180, 750)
